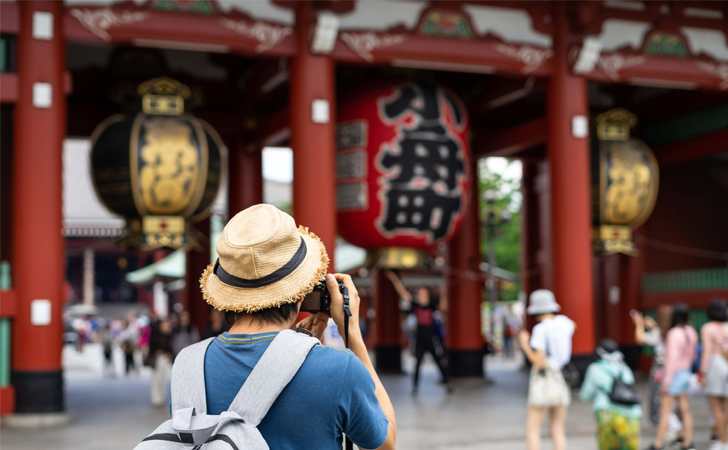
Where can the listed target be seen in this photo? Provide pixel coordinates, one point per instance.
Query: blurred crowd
(145, 340)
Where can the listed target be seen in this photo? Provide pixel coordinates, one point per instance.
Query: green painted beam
(4, 352)
(698, 123)
(688, 280)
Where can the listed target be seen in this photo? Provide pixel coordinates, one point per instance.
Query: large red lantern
(403, 156)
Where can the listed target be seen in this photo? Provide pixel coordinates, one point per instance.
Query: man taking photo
(266, 267)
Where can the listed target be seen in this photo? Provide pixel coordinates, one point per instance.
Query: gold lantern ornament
(160, 169)
(625, 180)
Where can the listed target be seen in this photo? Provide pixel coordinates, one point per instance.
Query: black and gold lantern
(625, 179)
(160, 169)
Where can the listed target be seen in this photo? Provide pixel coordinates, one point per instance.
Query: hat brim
(288, 290)
(539, 311)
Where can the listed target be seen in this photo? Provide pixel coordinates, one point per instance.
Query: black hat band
(278, 275)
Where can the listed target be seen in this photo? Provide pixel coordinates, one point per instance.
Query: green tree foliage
(508, 233)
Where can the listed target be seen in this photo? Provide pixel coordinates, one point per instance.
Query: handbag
(571, 374)
(547, 387)
(622, 393)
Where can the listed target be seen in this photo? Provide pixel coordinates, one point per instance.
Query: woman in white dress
(549, 350)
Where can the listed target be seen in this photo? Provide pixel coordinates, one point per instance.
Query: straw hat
(264, 261)
(542, 301)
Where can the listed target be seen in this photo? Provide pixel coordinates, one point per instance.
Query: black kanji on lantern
(419, 209)
(423, 194)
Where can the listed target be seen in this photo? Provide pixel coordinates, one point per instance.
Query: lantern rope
(682, 249)
(482, 276)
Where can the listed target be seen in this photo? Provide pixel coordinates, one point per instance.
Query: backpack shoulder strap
(188, 378)
(275, 369)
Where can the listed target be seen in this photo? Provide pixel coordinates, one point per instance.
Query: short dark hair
(278, 314)
(717, 310)
(680, 315)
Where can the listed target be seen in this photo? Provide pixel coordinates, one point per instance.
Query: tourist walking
(508, 333)
(714, 368)
(107, 344)
(548, 349)
(609, 384)
(652, 333)
(160, 358)
(649, 332)
(680, 349)
(185, 333)
(427, 338)
(128, 339)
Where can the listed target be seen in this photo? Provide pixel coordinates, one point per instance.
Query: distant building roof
(83, 213)
(276, 193)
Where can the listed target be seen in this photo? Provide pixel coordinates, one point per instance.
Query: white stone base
(36, 420)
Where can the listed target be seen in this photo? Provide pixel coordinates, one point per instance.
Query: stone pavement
(116, 414)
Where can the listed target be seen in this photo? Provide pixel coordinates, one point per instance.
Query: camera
(319, 300)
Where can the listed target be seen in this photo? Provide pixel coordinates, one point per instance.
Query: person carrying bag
(609, 384)
(549, 351)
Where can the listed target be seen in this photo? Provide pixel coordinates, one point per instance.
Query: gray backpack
(191, 428)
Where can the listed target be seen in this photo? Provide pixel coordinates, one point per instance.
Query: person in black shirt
(160, 358)
(427, 339)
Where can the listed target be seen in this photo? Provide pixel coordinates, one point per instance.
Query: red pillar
(570, 189)
(386, 332)
(531, 269)
(313, 143)
(38, 245)
(464, 339)
(197, 261)
(632, 270)
(607, 280)
(246, 177)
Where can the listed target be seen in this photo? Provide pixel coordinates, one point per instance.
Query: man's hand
(337, 304)
(315, 323)
(637, 318)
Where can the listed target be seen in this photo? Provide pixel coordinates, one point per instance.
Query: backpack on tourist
(622, 393)
(236, 428)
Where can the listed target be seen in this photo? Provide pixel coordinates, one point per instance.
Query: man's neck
(247, 325)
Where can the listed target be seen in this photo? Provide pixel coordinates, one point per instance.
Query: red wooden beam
(9, 19)
(8, 87)
(694, 148)
(273, 131)
(407, 49)
(658, 71)
(511, 141)
(508, 92)
(234, 32)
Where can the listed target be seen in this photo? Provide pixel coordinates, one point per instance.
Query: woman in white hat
(549, 350)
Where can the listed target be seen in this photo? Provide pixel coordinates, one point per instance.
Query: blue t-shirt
(331, 394)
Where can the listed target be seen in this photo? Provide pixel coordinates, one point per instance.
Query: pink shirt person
(713, 336)
(680, 346)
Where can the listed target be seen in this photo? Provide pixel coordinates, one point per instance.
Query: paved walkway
(116, 414)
